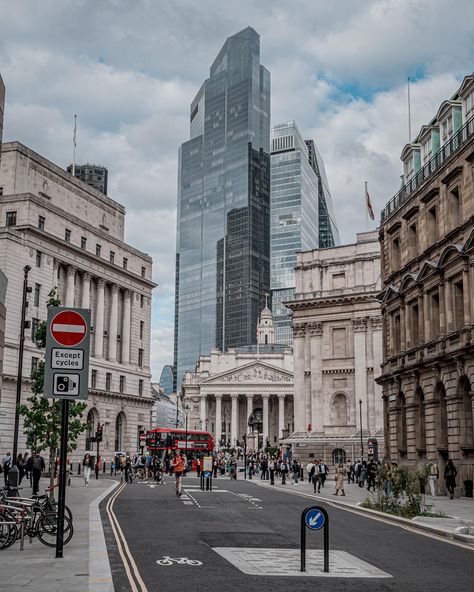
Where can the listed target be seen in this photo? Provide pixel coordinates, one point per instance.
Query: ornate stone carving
(376, 323)
(315, 329)
(255, 374)
(299, 330)
(359, 324)
(460, 367)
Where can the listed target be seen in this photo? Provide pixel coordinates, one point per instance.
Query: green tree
(41, 416)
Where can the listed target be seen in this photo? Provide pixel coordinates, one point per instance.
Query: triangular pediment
(252, 373)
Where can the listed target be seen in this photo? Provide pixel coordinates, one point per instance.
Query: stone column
(126, 325)
(442, 309)
(281, 415)
(426, 317)
(203, 411)
(99, 320)
(360, 364)
(56, 268)
(70, 287)
(466, 296)
(113, 324)
(249, 410)
(218, 425)
(317, 411)
(299, 330)
(265, 398)
(86, 290)
(421, 319)
(448, 291)
(471, 282)
(234, 420)
(375, 405)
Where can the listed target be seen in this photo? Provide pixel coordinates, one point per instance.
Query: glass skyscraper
(223, 228)
(301, 215)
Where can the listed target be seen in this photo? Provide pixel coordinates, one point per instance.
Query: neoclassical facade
(72, 237)
(337, 345)
(227, 387)
(427, 238)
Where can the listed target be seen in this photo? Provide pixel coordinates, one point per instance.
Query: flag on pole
(370, 209)
(75, 129)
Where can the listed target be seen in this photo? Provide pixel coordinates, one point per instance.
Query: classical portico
(223, 402)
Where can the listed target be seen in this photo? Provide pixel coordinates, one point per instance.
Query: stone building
(72, 237)
(3, 293)
(2, 105)
(427, 238)
(227, 387)
(337, 345)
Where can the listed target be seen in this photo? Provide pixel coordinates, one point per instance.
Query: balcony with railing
(453, 146)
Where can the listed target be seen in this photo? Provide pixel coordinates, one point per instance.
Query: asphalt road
(156, 523)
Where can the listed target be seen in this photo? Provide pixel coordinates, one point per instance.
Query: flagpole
(74, 148)
(366, 209)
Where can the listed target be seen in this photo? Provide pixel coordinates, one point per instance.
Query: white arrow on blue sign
(314, 519)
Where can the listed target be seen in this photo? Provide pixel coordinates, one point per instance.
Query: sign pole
(62, 478)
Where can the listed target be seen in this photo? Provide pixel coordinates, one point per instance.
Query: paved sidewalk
(460, 511)
(36, 569)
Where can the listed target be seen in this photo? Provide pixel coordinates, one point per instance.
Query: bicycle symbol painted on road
(167, 560)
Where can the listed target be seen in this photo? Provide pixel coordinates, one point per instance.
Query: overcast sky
(130, 69)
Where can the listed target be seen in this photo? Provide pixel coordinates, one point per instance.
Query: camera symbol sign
(66, 384)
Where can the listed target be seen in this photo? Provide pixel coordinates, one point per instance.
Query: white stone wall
(19, 244)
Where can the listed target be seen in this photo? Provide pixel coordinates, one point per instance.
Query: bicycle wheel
(53, 507)
(7, 532)
(47, 529)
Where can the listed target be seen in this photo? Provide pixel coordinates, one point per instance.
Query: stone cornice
(104, 396)
(320, 302)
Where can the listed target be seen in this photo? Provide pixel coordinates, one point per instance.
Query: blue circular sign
(207, 474)
(314, 519)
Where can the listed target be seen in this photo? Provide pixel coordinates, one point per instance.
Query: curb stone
(100, 576)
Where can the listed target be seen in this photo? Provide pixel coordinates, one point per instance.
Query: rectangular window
(34, 364)
(447, 129)
(409, 168)
(83, 243)
(339, 342)
(396, 255)
(94, 379)
(415, 325)
(1, 189)
(142, 300)
(458, 301)
(98, 249)
(434, 312)
(427, 150)
(469, 107)
(112, 256)
(396, 335)
(36, 298)
(122, 384)
(125, 262)
(338, 280)
(39, 258)
(67, 235)
(140, 387)
(433, 224)
(140, 357)
(11, 219)
(34, 328)
(454, 207)
(108, 381)
(41, 221)
(413, 240)
(142, 325)
(143, 271)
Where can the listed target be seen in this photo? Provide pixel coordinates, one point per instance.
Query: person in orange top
(178, 464)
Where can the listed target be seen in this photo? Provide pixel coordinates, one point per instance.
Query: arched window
(91, 425)
(420, 432)
(338, 456)
(402, 425)
(119, 432)
(339, 411)
(441, 418)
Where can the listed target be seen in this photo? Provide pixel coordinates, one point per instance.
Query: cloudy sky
(129, 69)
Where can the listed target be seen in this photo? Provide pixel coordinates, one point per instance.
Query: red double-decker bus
(164, 440)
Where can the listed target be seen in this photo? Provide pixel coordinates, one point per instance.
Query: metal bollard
(78, 467)
(103, 468)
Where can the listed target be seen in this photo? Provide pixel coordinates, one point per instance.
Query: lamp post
(13, 474)
(186, 409)
(245, 455)
(251, 424)
(361, 437)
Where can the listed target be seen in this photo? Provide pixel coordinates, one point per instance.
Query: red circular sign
(142, 437)
(68, 328)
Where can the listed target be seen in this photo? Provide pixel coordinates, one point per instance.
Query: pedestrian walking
(36, 466)
(450, 473)
(296, 471)
(25, 463)
(178, 467)
(87, 464)
(371, 473)
(363, 474)
(433, 476)
(6, 465)
(388, 483)
(284, 469)
(323, 471)
(340, 474)
(272, 466)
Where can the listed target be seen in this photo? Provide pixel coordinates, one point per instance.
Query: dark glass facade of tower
(223, 227)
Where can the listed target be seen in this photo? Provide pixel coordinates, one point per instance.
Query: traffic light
(98, 433)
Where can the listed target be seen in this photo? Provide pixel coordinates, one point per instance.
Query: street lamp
(186, 409)
(251, 423)
(13, 474)
(361, 438)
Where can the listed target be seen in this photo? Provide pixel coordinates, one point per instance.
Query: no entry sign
(67, 353)
(68, 328)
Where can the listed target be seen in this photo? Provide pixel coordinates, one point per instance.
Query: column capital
(265, 396)
(359, 324)
(71, 270)
(115, 289)
(234, 395)
(127, 293)
(315, 329)
(86, 276)
(281, 395)
(57, 264)
(218, 395)
(249, 397)
(101, 283)
(299, 329)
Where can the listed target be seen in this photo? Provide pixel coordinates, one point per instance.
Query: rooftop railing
(444, 153)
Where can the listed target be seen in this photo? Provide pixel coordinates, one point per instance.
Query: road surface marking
(124, 551)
